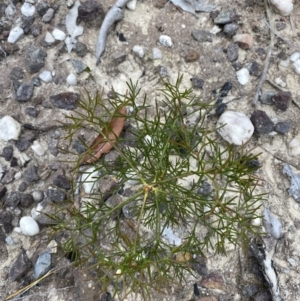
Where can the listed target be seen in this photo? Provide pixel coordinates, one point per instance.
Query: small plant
(177, 192)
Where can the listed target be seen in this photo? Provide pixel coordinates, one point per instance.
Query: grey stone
(7, 152)
(231, 29)
(24, 92)
(202, 35)
(267, 98)
(294, 189)
(81, 49)
(22, 187)
(91, 12)
(197, 82)
(6, 217)
(237, 65)
(20, 267)
(232, 52)
(61, 181)
(65, 100)
(24, 141)
(249, 290)
(282, 100)
(36, 29)
(8, 176)
(34, 59)
(79, 147)
(36, 81)
(30, 174)
(254, 69)
(32, 111)
(56, 195)
(282, 127)
(78, 65)
(42, 8)
(38, 195)
(12, 199)
(26, 200)
(48, 15)
(225, 17)
(16, 73)
(26, 25)
(42, 265)
(3, 190)
(262, 122)
(52, 147)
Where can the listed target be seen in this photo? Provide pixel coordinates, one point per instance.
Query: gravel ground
(34, 163)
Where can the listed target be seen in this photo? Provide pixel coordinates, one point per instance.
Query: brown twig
(267, 61)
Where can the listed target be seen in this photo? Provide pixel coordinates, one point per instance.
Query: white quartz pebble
(156, 54)
(58, 34)
(165, 40)
(15, 35)
(235, 127)
(295, 56)
(45, 76)
(139, 51)
(296, 66)
(49, 38)
(9, 128)
(37, 148)
(131, 4)
(29, 226)
(71, 79)
(27, 9)
(280, 82)
(294, 147)
(243, 76)
(90, 180)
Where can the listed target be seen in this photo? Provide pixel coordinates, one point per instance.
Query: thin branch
(267, 61)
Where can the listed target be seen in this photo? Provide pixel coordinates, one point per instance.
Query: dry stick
(267, 62)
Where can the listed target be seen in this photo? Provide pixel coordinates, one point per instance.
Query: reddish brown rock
(213, 281)
(244, 40)
(192, 56)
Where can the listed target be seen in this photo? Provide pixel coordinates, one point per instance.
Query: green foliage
(181, 179)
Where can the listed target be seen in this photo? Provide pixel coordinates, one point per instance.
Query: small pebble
(197, 82)
(295, 56)
(165, 41)
(48, 15)
(139, 51)
(282, 127)
(280, 82)
(29, 226)
(71, 80)
(296, 66)
(49, 39)
(79, 66)
(89, 180)
(9, 129)
(294, 147)
(27, 9)
(267, 98)
(202, 36)
(131, 4)
(38, 195)
(7, 152)
(244, 40)
(243, 76)
(15, 35)
(156, 54)
(232, 52)
(231, 29)
(280, 26)
(282, 100)
(42, 265)
(225, 16)
(58, 34)
(235, 127)
(192, 56)
(37, 148)
(262, 122)
(254, 69)
(45, 76)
